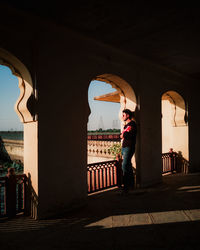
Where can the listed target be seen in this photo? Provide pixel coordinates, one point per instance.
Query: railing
(109, 137)
(174, 162)
(100, 176)
(168, 162)
(12, 195)
(103, 175)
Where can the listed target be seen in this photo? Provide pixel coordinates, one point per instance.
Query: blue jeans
(128, 177)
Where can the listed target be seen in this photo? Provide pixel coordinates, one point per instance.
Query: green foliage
(17, 165)
(116, 149)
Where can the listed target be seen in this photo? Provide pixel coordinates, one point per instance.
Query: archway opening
(11, 129)
(121, 95)
(175, 125)
(103, 121)
(25, 108)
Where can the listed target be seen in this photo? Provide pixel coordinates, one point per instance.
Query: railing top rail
(174, 153)
(101, 163)
(105, 137)
(18, 176)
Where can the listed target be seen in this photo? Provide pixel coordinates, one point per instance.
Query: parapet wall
(101, 148)
(15, 149)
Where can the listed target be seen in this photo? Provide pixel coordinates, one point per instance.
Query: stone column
(149, 136)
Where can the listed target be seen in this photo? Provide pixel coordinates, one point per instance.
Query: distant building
(101, 124)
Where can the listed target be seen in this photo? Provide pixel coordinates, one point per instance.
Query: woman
(11, 183)
(128, 137)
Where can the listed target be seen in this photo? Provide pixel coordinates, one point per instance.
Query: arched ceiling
(166, 34)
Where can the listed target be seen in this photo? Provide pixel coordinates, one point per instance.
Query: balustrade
(12, 202)
(102, 175)
(168, 162)
(174, 162)
(100, 148)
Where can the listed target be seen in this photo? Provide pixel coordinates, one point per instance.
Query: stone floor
(166, 216)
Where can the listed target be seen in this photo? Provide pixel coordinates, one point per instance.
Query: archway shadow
(182, 163)
(31, 202)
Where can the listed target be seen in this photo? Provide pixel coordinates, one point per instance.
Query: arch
(24, 104)
(127, 99)
(127, 95)
(178, 108)
(25, 108)
(174, 123)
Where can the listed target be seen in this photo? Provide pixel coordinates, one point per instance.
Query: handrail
(108, 137)
(100, 163)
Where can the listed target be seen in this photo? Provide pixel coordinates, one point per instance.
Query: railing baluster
(115, 175)
(101, 175)
(19, 197)
(88, 180)
(104, 178)
(24, 195)
(1, 196)
(101, 178)
(108, 177)
(93, 181)
(97, 179)
(111, 175)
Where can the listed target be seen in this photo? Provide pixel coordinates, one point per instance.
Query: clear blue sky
(9, 93)
(103, 114)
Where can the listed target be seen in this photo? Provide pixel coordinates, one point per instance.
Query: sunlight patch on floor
(140, 219)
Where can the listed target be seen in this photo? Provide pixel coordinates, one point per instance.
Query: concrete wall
(15, 149)
(94, 159)
(174, 135)
(62, 64)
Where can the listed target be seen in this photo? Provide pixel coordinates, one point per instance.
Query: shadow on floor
(162, 217)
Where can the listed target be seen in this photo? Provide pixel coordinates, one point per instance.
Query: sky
(9, 93)
(103, 114)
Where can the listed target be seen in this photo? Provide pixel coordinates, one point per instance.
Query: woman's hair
(11, 171)
(129, 112)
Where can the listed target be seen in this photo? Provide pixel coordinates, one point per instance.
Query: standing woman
(11, 183)
(128, 137)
